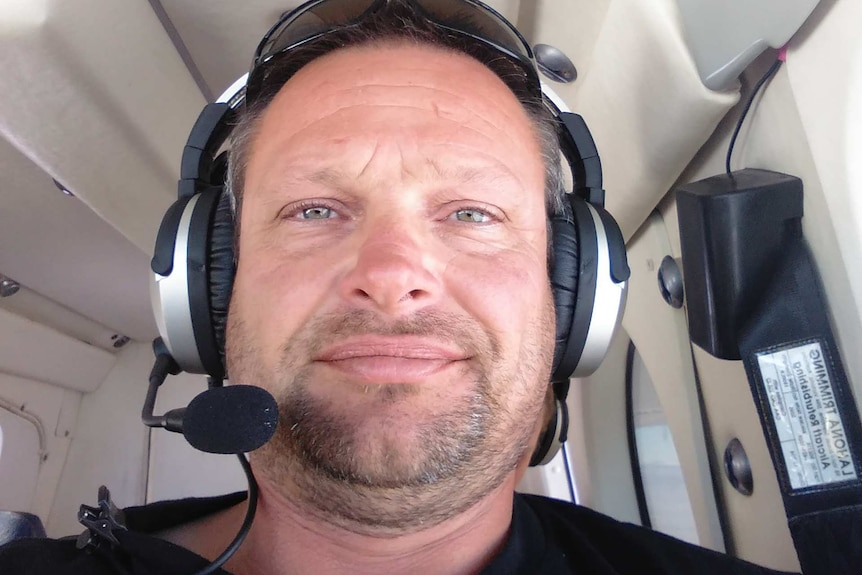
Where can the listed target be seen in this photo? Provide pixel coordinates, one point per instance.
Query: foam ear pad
(564, 281)
(574, 280)
(221, 263)
(545, 443)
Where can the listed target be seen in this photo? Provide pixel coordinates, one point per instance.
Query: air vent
(47, 312)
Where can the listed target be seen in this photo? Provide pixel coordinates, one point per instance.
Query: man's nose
(392, 275)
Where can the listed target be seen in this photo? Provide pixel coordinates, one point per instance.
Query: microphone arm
(173, 421)
(164, 365)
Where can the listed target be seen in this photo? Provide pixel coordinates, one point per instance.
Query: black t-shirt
(548, 537)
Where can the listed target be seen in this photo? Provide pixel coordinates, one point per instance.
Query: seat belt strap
(753, 293)
(808, 414)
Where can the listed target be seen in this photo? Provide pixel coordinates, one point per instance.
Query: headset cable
(782, 57)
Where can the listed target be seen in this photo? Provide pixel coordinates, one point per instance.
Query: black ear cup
(202, 259)
(573, 280)
(193, 273)
(553, 436)
(221, 266)
(588, 279)
(564, 285)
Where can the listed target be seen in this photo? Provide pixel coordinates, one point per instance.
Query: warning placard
(806, 416)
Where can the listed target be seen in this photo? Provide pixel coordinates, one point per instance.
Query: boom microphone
(234, 419)
(230, 419)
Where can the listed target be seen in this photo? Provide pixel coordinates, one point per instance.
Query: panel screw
(670, 282)
(738, 468)
(8, 286)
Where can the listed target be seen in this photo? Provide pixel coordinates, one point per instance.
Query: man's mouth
(390, 360)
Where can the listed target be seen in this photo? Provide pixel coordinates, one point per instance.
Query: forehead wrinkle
(360, 89)
(504, 103)
(345, 108)
(495, 166)
(462, 174)
(495, 132)
(323, 176)
(334, 177)
(466, 174)
(371, 156)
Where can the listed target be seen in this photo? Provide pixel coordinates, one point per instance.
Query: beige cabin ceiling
(56, 245)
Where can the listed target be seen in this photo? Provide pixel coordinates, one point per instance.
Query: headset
(194, 262)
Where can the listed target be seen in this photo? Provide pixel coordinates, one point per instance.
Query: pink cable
(782, 53)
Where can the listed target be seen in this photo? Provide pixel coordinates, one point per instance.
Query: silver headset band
(171, 303)
(558, 105)
(608, 304)
(235, 92)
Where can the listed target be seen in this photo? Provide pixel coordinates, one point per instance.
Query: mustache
(464, 331)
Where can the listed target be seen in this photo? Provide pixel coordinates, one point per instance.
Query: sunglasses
(462, 19)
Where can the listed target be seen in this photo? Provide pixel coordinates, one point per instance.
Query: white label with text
(805, 411)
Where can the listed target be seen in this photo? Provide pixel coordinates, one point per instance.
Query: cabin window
(662, 496)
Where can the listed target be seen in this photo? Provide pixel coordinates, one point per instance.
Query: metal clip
(101, 522)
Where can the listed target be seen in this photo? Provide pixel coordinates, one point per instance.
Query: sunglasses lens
(312, 20)
(468, 18)
(317, 17)
(477, 19)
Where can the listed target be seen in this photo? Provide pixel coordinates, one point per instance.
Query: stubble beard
(385, 480)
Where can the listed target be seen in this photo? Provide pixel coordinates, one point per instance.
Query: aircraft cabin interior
(726, 411)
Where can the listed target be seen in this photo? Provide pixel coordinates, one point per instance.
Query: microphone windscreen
(230, 419)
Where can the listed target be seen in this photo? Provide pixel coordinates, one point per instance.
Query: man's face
(392, 288)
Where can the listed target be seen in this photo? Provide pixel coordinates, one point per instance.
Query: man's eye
(316, 213)
(472, 216)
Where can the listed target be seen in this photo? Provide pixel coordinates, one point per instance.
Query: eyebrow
(326, 176)
(464, 174)
(334, 177)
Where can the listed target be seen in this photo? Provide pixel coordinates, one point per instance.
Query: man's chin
(383, 479)
(388, 462)
(383, 456)
(387, 441)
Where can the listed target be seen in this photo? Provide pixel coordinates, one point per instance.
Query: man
(392, 188)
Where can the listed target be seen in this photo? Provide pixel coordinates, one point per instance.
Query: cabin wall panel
(824, 74)
(109, 445)
(659, 333)
(601, 463)
(802, 125)
(57, 410)
(645, 104)
(62, 360)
